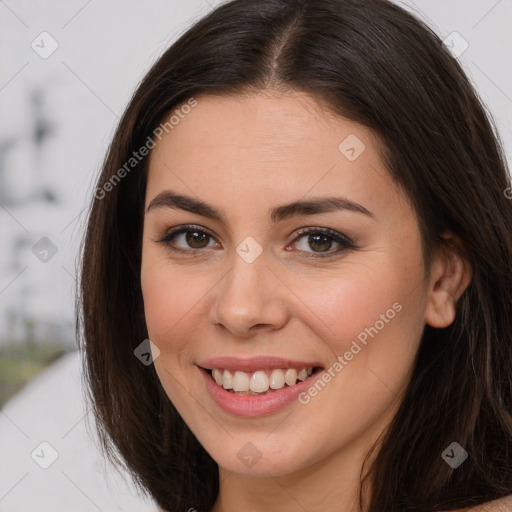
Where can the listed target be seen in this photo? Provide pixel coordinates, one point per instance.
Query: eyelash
(345, 242)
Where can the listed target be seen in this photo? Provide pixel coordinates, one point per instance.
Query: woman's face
(301, 254)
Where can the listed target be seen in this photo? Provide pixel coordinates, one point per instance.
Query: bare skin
(245, 156)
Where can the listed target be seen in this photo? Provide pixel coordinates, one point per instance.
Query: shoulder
(500, 505)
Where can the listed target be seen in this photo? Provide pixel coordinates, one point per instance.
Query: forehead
(268, 146)
(275, 125)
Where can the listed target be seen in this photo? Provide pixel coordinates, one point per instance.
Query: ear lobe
(450, 276)
(440, 310)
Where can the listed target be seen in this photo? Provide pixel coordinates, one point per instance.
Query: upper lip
(254, 364)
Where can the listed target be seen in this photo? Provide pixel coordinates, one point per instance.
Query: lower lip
(251, 405)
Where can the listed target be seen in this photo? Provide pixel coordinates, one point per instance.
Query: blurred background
(67, 71)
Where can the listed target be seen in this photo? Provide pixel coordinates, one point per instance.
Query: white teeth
(241, 381)
(259, 382)
(227, 380)
(277, 379)
(290, 377)
(217, 375)
(303, 374)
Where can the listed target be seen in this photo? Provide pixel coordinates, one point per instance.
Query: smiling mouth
(261, 382)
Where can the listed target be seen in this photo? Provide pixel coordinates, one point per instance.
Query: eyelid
(344, 241)
(173, 232)
(326, 231)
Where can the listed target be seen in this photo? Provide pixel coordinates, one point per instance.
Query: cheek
(169, 298)
(348, 305)
(170, 303)
(372, 325)
(372, 317)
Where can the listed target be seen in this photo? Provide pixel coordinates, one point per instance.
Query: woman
(305, 209)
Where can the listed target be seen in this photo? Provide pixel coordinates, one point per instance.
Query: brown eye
(196, 239)
(186, 238)
(318, 242)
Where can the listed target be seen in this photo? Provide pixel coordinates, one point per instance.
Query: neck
(331, 483)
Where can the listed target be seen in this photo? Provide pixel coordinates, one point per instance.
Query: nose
(250, 298)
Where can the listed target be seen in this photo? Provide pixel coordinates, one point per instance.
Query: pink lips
(252, 405)
(254, 364)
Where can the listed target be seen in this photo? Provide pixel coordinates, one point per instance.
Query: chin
(261, 458)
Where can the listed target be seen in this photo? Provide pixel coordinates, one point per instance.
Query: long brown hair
(376, 64)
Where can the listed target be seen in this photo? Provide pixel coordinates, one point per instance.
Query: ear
(450, 275)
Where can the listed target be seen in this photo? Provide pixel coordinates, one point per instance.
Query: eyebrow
(169, 199)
